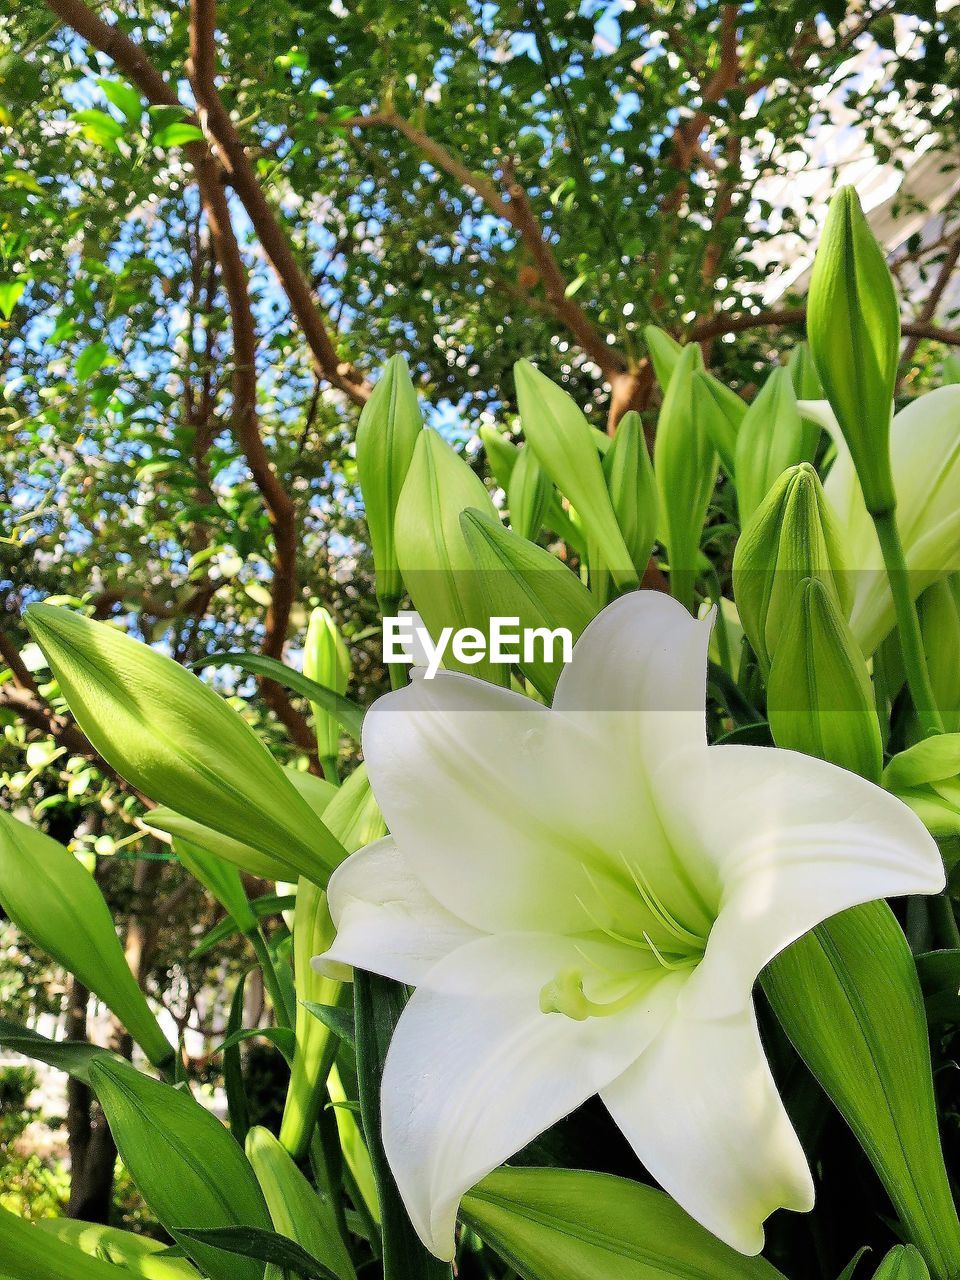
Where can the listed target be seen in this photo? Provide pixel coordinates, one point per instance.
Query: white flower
(925, 458)
(583, 898)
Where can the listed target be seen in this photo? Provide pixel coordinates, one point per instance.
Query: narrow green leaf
(268, 904)
(340, 1021)
(281, 1038)
(233, 1082)
(566, 1224)
(27, 1253)
(73, 1057)
(346, 713)
(139, 1255)
(260, 1245)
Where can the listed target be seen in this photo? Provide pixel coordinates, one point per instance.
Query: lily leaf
(262, 1246)
(346, 713)
(281, 1038)
(567, 1224)
(340, 1021)
(71, 1056)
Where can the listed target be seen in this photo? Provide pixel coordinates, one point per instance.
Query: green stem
(908, 624)
(270, 979)
(331, 771)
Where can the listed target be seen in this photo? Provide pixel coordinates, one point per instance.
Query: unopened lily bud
(939, 611)
(686, 469)
(295, 1208)
(528, 495)
(628, 471)
(563, 441)
(803, 373)
(432, 554)
(177, 741)
(819, 698)
(326, 659)
(525, 582)
(719, 412)
(853, 325)
(355, 819)
(665, 351)
(224, 847)
(56, 903)
(903, 1262)
(792, 536)
(388, 430)
(772, 437)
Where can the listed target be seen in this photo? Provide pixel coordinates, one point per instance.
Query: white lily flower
(925, 458)
(583, 897)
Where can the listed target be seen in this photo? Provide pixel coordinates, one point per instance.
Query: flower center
(679, 949)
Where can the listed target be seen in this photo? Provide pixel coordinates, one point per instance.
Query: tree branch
(136, 66)
(279, 506)
(933, 298)
(719, 325)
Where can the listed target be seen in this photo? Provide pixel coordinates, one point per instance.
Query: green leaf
(139, 1255)
(188, 1168)
(177, 134)
(72, 1056)
(565, 1224)
(939, 973)
(378, 1003)
(850, 1268)
(848, 996)
(124, 97)
(297, 1211)
(11, 291)
(903, 1262)
(240, 855)
(347, 714)
(233, 1083)
(176, 740)
(90, 359)
(220, 879)
(27, 1253)
(281, 1038)
(339, 1020)
(56, 902)
(100, 127)
(268, 904)
(260, 1245)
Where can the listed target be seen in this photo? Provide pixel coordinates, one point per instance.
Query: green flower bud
(665, 351)
(939, 611)
(432, 554)
(220, 879)
(772, 437)
(563, 442)
(525, 582)
(719, 412)
(803, 373)
(628, 471)
(927, 777)
(188, 1168)
(326, 659)
(853, 325)
(528, 495)
(177, 741)
(56, 903)
(686, 469)
(903, 1262)
(355, 819)
(819, 698)
(388, 430)
(297, 1211)
(221, 846)
(791, 536)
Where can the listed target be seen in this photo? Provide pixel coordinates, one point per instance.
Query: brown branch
(933, 298)
(722, 324)
(219, 128)
(131, 59)
(279, 506)
(518, 212)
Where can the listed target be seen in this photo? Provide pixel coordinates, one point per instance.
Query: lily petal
(483, 791)
(795, 841)
(701, 1110)
(386, 920)
(476, 1070)
(925, 457)
(644, 658)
